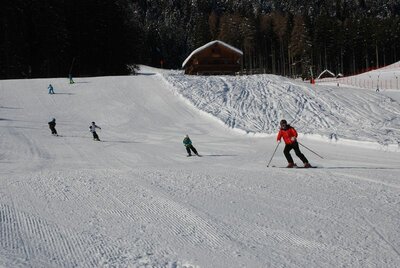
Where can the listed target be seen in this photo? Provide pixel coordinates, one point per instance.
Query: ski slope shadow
(219, 155)
(116, 141)
(63, 93)
(372, 168)
(107, 141)
(146, 74)
(75, 136)
(5, 107)
(19, 126)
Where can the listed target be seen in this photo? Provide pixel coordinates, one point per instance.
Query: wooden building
(326, 74)
(215, 57)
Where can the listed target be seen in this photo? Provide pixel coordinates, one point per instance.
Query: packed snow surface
(135, 200)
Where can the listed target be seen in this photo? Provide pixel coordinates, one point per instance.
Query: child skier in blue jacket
(50, 88)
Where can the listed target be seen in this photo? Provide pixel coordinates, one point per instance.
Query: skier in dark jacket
(51, 89)
(189, 147)
(92, 128)
(289, 135)
(52, 126)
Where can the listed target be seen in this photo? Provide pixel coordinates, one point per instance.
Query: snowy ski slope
(136, 200)
(257, 103)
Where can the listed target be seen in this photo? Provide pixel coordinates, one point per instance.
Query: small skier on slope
(52, 126)
(51, 89)
(289, 135)
(92, 128)
(189, 147)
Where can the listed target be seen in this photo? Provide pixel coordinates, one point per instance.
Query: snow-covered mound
(257, 103)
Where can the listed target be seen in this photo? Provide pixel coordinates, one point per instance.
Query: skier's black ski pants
(190, 147)
(95, 136)
(53, 130)
(295, 147)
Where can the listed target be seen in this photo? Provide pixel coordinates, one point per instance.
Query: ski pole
(310, 150)
(72, 65)
(273, 153)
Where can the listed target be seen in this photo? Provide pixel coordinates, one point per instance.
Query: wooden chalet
(326, 74)
(215, 57)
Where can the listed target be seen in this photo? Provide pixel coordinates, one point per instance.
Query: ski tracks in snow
(99, 237)
(257, 103)
(113, 209)
(42, 243)
(257, 235)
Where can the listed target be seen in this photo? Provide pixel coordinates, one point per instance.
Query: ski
(295, 167)
(307, 167)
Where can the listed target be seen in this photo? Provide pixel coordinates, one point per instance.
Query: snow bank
(256, 104)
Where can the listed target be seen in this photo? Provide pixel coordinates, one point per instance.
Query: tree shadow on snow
(145, 73)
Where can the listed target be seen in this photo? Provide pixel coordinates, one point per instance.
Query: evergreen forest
(53, 38)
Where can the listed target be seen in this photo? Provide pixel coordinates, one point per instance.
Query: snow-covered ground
(257, 103)
(136, 200)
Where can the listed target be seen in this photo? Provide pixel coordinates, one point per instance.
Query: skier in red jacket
(289, 135)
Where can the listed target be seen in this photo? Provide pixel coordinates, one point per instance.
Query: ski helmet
(283, 122)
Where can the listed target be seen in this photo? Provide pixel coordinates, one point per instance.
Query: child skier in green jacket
(189, 147)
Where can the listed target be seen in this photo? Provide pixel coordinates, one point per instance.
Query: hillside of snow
(136, 200)
(384, 79)
(257, 103)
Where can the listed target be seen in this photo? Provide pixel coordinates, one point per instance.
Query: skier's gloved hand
(278, 141)
(293, 138)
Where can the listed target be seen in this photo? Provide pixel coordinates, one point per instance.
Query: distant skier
(71, 81)
(189, 147)
(52, 126)
(289, 135)
(51, 89)
(93, 130)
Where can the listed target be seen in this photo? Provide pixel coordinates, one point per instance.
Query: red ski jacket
(287, 135)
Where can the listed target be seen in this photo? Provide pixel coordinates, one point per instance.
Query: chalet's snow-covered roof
(326, 71)
(197, 50)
